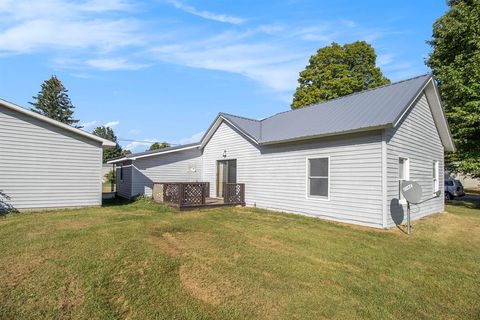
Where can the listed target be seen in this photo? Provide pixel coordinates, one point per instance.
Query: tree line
(338, 70)
(53, 101)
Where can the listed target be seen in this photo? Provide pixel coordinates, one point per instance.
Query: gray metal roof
(249, 126)
(133, 156)
(367, 110)
(370, 109)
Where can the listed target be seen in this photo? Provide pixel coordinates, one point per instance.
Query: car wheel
(448, 196)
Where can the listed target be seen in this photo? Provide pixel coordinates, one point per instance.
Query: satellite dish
(411, 191)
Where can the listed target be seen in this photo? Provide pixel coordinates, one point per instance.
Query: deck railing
(193, 194)
(234, 193)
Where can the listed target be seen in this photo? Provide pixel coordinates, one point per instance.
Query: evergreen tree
(53, 101)
(455, 62)
(337, 71)
(157, 145)
(107, 133)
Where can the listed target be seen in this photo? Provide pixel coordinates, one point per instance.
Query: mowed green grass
(145, 261)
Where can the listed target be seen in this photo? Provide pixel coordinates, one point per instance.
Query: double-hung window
(403, 175)
(435, 177)
(318, 184)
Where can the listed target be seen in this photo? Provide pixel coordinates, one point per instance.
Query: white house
(340, 160)
(46, 164)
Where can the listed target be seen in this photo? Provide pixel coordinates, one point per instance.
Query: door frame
(219, 162)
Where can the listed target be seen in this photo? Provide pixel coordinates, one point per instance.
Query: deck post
(180, 194)
(242, 193)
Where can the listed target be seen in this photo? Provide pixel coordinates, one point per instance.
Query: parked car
(453, 189)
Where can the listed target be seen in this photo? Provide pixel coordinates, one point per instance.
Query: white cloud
(193, 138)
(349, 23)
(90, 124)
(43, 34)
(112, 124)
(384, 59)
(206, 14)
(110, 64)
(59, 25)
(88, 35)
(135, 145)
(271, 64)
(271, 55)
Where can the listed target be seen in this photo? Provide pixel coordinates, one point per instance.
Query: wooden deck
(194, 195)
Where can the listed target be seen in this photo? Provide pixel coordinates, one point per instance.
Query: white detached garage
(46, 164)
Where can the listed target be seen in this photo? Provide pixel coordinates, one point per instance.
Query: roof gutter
(164, 152)
(117, 160)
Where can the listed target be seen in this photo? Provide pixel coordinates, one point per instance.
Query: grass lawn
(144, 261)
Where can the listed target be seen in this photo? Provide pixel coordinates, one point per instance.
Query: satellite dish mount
(412, 192)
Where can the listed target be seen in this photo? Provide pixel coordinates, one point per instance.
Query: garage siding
(44, 166)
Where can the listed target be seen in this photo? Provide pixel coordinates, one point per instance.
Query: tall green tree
(107, 133)
(336, 71)
(455, 62)
(157, 145)
(52, 101)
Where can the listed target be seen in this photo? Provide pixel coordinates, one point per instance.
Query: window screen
(318, 177)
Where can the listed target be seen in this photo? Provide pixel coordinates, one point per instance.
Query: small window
(121, 173)
(403, 175)
(435, 176)
(318, 175)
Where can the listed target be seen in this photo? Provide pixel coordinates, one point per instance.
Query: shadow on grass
(136, 203)
(464, 204)
(117, 201)
(473, 191)
(470, 201)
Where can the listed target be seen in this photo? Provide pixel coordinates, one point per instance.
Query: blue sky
(161, 70)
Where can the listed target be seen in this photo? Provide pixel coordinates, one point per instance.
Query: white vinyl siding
(181, 166)
(417, 139)
(44, 166)
(123, 177)
(275, 175)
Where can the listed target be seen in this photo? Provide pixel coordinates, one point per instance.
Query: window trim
(407, 176)
(307, 179)
(436, 179)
